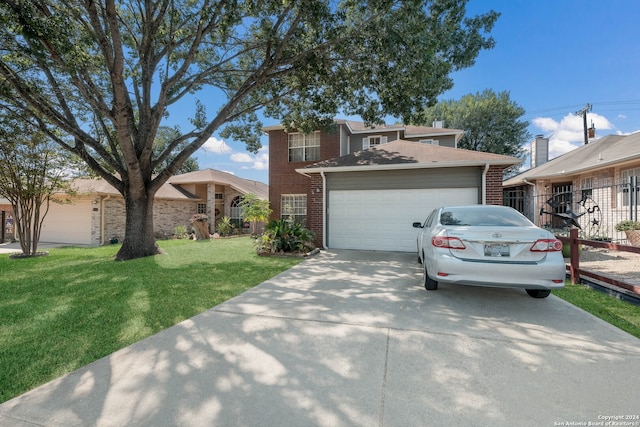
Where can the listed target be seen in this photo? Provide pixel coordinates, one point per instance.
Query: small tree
(31, 173)
(255, 209)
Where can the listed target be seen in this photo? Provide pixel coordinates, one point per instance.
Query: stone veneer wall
(167, 214)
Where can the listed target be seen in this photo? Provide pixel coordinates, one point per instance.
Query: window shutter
(365, 143)
(383, 140)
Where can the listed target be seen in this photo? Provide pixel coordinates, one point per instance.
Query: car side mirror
(417, 225)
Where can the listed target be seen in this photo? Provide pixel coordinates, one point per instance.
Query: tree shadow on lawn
(72, 312)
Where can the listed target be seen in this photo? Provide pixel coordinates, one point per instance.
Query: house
(362, 187)
(588, 187)
(95, 214)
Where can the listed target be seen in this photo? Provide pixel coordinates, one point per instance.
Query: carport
(369, 199)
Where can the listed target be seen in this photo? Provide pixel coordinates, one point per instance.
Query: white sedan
(485, 245)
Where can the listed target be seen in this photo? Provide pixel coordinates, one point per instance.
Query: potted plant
(631, 229)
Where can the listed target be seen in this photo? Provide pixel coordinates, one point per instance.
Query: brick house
(361, 187)
(96, 213)
(593, 183)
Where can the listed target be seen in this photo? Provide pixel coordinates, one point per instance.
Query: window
(430, 141)
(304, 147)
(235, 212)
(630, 192)
(219, 196)
(586, 186)
(202, 208)
(294, 206)
(370, 141)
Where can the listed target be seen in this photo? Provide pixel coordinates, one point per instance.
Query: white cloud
(568, 133)
(241, 158)
(217, 146)
(259, 161)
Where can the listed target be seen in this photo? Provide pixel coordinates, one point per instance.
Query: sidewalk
(350, 338)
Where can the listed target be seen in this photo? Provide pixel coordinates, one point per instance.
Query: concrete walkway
(351, 338)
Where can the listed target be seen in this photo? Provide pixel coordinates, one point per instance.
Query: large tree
(491, 122)
(109, 72)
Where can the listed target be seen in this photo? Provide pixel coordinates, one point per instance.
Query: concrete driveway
(350, 338)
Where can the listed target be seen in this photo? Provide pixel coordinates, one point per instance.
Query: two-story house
(362, 187)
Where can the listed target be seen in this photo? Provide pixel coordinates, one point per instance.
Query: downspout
(102, 200)
(484, 183)
(324, 210)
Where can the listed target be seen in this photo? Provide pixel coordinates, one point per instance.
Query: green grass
(76, 305)
(621, 314)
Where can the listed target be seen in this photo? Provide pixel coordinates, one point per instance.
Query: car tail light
(546, 245)
(447, 242)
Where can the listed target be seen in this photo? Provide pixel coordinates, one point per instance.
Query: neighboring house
(590, 184)
(96, 213)
(6, 221)
(363, 187)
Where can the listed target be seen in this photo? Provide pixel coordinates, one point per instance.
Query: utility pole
(583, 113)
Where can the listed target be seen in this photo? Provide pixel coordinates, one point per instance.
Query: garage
(368, 200)
(68, 223)
(382, 219)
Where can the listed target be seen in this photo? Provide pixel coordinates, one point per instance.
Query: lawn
(619, 313)
(76, 305)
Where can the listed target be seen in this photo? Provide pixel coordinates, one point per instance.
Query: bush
(225, 226)
(284, 236)
(180, 232)
(628, 225)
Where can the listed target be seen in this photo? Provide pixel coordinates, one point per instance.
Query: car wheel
(538, 293)
(429, 283)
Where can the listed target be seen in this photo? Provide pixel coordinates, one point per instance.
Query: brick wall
(494, 185)
(314, 211)
(283, 178)
(167, 214)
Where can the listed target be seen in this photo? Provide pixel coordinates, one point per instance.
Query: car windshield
(483, 216)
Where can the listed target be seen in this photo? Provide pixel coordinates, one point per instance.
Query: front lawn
(619, 313)
(65, 310)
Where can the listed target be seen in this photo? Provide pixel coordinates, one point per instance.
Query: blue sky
(552, 56)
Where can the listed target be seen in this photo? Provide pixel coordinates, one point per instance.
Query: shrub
(180, 232)
(284, 236)
(225, 226)
(628, 225)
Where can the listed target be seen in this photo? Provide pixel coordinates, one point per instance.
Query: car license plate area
(496, 250)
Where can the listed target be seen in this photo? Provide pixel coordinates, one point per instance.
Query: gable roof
(410, 131)
(604, 152)
(103, 188)
(206, 176)
(401, 154)
(172, 188)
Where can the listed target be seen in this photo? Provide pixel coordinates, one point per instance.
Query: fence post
(574, 249)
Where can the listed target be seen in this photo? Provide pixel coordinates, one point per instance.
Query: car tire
(429, 283)
(538, 293)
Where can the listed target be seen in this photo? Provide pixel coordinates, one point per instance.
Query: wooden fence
(574, 265)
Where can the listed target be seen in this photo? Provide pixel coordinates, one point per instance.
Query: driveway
(350, 338)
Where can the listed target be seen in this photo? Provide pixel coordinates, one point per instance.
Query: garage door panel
(68, 223)
(382, 219)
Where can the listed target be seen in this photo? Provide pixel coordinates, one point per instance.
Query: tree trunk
(139, 239)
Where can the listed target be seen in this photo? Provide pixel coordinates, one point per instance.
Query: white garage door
(68, 223)
(382, 219)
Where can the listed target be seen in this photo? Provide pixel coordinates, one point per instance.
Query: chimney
(539, 151)
(438, 124)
